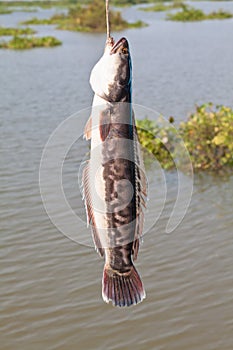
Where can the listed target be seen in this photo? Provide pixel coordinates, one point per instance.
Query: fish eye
(124, 50)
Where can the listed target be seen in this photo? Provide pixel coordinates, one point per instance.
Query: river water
(50, 285)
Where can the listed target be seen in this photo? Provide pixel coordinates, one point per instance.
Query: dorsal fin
(141, 188)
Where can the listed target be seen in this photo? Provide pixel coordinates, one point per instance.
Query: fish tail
(122, 289)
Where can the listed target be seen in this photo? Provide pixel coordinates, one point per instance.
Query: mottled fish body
(114, 180)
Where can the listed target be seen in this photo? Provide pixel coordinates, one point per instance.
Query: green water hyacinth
(23, 42)
(160, 7)
(87, 19)
(191, 14)
(207, 135)
(37, 3)
(5, 10)
(8, 31)
(150, 136)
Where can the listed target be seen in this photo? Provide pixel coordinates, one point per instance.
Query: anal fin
(87, 129)
(89, 209)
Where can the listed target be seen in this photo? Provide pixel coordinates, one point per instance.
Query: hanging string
(107, 20)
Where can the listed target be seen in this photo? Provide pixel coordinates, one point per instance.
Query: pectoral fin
(87, 129)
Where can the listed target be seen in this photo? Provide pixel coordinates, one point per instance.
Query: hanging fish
(114, 182)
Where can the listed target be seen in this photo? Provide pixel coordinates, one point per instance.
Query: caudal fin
(122, 289)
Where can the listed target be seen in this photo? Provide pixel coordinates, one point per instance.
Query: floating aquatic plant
(87, 19)
(24, 42)
(191, 14)
(207, 135)
(7, 31)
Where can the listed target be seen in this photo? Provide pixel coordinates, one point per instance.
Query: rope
(107, 20)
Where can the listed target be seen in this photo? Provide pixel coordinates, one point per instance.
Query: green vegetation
(87, 19)
(4, 10)
(5, 31)
(207, 135)
(38, 3)
(150, 136)
(160, 6)
(124, 3)
(27, 9)
(65, 3)
(20, 43)
(191, 14)
(220, 14)
(37, 21)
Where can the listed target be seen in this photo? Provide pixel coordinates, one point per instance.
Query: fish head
(111, 76)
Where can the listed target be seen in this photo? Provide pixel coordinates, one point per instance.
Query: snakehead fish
(114, 183)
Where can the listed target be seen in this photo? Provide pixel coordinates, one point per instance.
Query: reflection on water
(50, 286)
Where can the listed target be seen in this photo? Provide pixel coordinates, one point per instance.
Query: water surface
(50, 286)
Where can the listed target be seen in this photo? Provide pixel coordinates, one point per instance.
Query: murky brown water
(50, 287)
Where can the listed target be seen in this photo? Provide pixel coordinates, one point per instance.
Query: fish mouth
(119, 45)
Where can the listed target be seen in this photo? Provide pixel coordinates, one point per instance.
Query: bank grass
(90, 18)
(207, 135)
(10, 31)
(191, 14)
(29, 42)
(161, 6)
